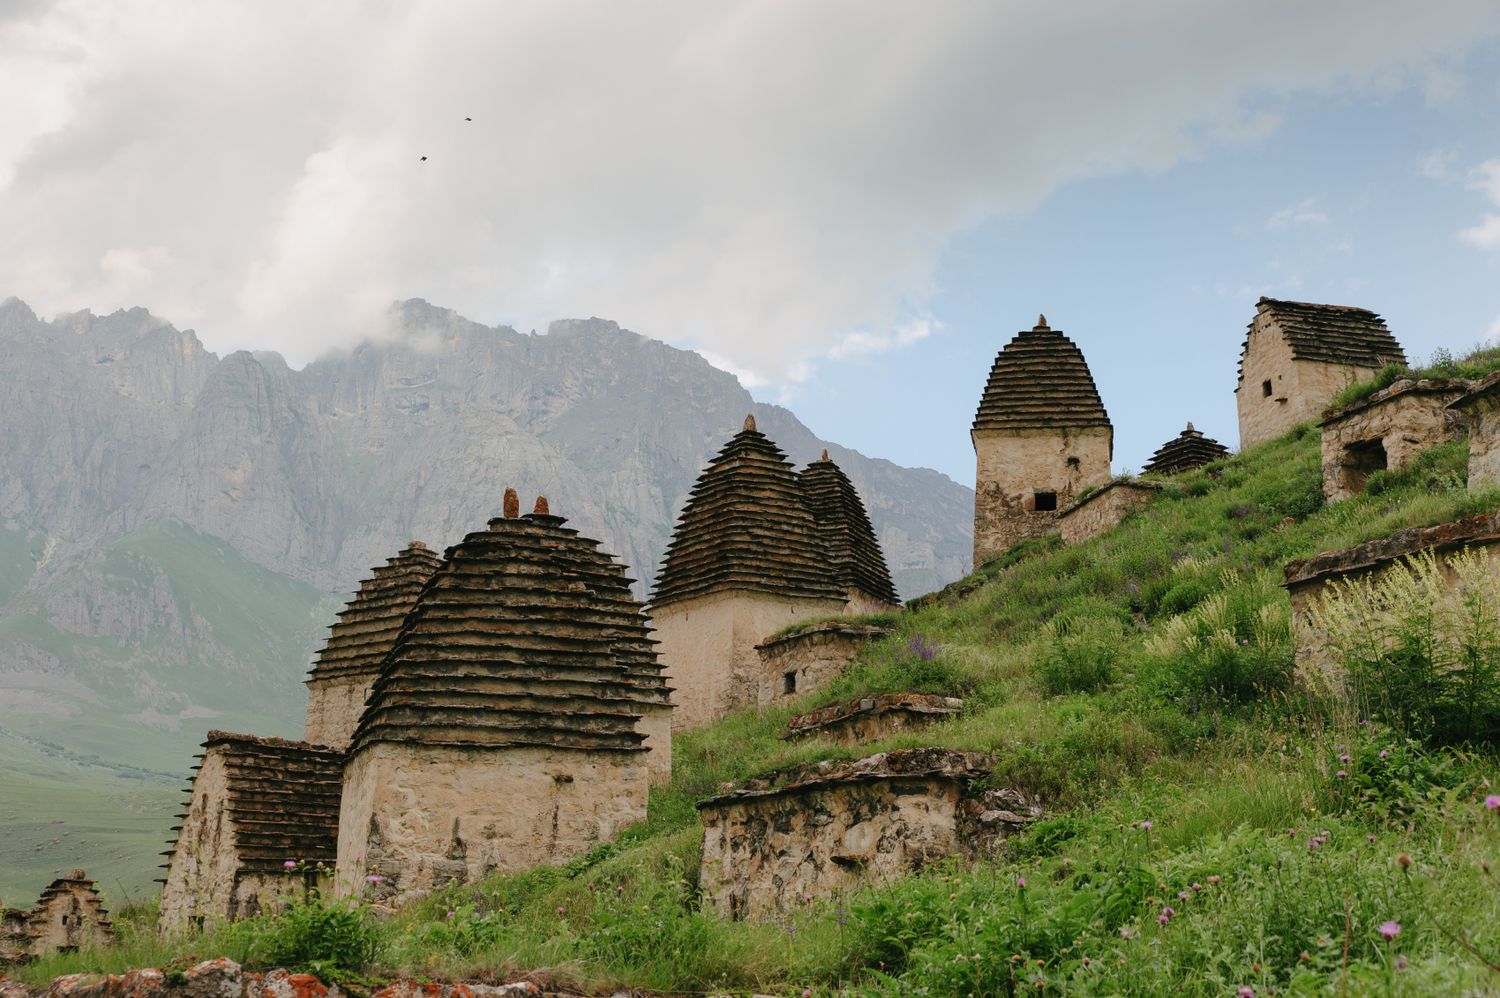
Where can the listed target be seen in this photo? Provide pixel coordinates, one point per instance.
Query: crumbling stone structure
(1310, 579)
(358, 643)
(1298, 355)
(15, 936)
(261, 819)
(1386, 431)
(1480, 410)
(758, 548)
(806, 659)
(1041, 436)
(69, 916)
(868, 719)
(512, 719)
(767, 848)
(1104, 508)
(1188, 450)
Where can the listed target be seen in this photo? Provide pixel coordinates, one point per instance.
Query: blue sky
(1351, 199)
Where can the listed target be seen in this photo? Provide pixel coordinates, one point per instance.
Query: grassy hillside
(1200, 838)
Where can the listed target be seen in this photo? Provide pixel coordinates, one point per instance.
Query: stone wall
(69, 916)
(1013, 466)
(421, 816)
(1104, 508)
(868, 719)
(333, 709)
(201, 871)
(1311, 579)
(1300, 389)
(707, 646)
(807, 659)
(15, 939)
(765, 850)
(1481, 412)
(1386, 431)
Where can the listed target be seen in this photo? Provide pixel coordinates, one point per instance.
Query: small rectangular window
(789, 683)
(1046, 502)
(1265, 388)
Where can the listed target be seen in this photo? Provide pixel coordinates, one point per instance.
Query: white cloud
(1304, 212)
(863, 343)
(751, 179)
(1486, 180)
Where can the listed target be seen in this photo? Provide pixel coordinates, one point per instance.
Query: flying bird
(422, 160)
(468, 119)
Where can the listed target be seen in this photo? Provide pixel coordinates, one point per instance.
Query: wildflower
(1344, 757)
(1403, 861)
(1197, 887)
(1365, 723)
(374, 878)
(807, 993)
(1246, 991)
(1125, 932)
(1385, 753)
(1163, 918)
(450, 914)
(1021, 883)
(1214, 878)
(1086, 961)
(1183, 895)
(1169, 911)
(1304, 956)
(1341, 774)
(290, 864)
(1401, 962)
(1389, 930)
(1492, 802)
(1145, 826)
(1370, 837)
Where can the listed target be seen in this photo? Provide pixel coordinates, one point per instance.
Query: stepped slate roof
(527, 635)
(746, 525)
(64, 887)
(367, 628)
(1189, 449)
(1040, 381)
(1329, 334)
(282, 799)
(854, 553)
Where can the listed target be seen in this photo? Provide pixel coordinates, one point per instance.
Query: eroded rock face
(767, 851)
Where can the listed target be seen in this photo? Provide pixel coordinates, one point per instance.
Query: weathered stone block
(765, 851)
(805, 660)
(1386, 431)
(1023, 477)
(1104, 508)
(1480, 409)
(866, 719)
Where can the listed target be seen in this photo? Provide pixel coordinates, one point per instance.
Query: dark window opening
(1361, 460)
(789, 683)
(1045, 502)
(1265, 388)
(1073, 462)
(198, 922)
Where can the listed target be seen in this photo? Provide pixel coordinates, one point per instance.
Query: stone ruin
(767, 848)
(757, 548)
(1480, 410)
(1309, 579)
(358, 643)
(1298, 355)
(1104, 508)
(515, 719)
(868, 719)
(807, 658)
(1386, 431)
(255, 805)
(69, 916)
(1041, 436)
(1188, 450)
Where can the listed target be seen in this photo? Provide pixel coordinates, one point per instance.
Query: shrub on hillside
(327, 936)
(1078, 655)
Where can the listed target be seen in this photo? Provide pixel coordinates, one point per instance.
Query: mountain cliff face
(177, 529)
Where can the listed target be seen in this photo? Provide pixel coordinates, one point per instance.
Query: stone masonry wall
(1104, 509)
(1300, 389)
(69, 916)
(1403, 420)
(1314, 578)
(868, 719)
(333, 709)
(813, 655)
(421, 816)
(1483, 418)
(200, 876)
(1012, 466)
(707, 646)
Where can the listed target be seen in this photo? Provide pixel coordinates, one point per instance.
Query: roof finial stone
(1041, 322)
(750, 423)
(825, 455)
(541, 506)
(1190, 427)
(512, 507)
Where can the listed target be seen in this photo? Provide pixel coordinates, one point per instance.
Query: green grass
(1143, 676)
(1479, 362)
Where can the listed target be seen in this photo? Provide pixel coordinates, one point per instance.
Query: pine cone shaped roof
(1040, 381)
(1189, 449)
(853, 551)
(527, 635)
(746, 525)
(367, 627)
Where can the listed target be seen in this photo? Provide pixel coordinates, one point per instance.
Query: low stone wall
(1104, 508)
(806, 660)
(1480, 409)
(1386, 431)
(15, 939)
(766, 850)
(1310, 579)
(867, 719)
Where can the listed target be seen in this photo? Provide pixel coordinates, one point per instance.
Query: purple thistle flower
(922, 648)
(1401, 962)
(1385, 753)
(1344, 757)
(1145, 826)
(374, 878)
(1341, 774)
(290, 864)
(1492, 802)
(1246, 991)
(1389, 930)
(1021, 883)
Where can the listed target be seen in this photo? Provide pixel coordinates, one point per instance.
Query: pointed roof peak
(541, 506)
(749, 424)
(1041, 322)
(1189, 449)
(1190, 428)
(512, 505)
(1040, 380)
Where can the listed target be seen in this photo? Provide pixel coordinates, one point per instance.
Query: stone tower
(1040, 436)
(1188, 450)
(855, 558)
(1298, 355)
(512, 719)
(747, 559)
(358, 642)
